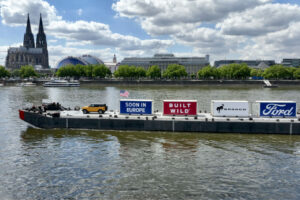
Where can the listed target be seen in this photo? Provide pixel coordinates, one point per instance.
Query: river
(81, 164)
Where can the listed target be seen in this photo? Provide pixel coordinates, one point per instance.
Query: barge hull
(152, 124)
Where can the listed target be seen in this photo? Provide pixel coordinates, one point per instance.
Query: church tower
(115, 59)
(28, 41)
(41, 41)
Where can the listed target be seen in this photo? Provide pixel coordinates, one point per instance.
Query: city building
(291, 62)
(257, 64)
(81, 60)
(191, 64)
(112, 66)
(30, 53)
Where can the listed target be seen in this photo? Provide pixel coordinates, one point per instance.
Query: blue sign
(277, 109)
(136, 107)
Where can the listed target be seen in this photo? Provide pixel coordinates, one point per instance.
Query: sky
(224, 29)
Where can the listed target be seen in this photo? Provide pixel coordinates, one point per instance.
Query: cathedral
(30, 53)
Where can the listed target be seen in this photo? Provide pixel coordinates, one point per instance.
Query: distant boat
(1, 84)
(61, 83)
(26, 84)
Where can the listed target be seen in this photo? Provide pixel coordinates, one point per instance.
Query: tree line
(173, 71)
(78, 71)
(24, 72)
(242, 71)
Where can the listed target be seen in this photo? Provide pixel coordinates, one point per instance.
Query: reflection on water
(138, 165)
(82, 164)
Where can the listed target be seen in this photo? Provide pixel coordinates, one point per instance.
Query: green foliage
(89, 70)
(234, 71)
(125, 71)
(140, 72)
(83, 71)
(296, 73)
(4, 72)
(175, 71)
(278, 72)
(122, 71)
(154, 72)
(256, 72)
(193, 76)
(27, 71)
(15, 73)
(100, 71)
(208, 72)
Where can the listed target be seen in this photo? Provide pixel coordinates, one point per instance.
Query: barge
(202, 122)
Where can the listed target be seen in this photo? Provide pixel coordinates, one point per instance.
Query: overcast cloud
(248, 29)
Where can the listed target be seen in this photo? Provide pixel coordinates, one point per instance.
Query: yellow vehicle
(100, 108)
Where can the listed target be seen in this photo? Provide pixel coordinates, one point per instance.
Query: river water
(81, 164)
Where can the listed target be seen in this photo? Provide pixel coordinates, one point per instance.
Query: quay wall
(189, 82)
(167, 82)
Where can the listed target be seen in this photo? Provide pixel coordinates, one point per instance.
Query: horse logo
(220, 108)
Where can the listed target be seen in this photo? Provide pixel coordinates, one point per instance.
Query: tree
(154, 72)
(140, 72)
(296, 74)
(256, 72)
(100, 71)
(15, 73)
(80, 70)
(126, 71)
(68, 70)
(208, 72)
(122, 71)
(3, 72)
(234, 71)
(241, 71)
(89, 70)
(27, 71)
(277, 72)
(175, 71)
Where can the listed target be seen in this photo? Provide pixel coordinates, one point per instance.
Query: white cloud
(277, 45)
(223, 28)
(13, 13)
(261, 20)
(171, 16)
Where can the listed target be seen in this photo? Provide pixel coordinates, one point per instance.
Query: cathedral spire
(28, 36)
(41, 27)
(41, 41)
(28, 27)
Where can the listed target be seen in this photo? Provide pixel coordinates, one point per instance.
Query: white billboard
(221, 108)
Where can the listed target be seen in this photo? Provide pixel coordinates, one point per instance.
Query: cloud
(276, 45)
(13, 13)
(169, 17)
(248, 29)
(260, 20)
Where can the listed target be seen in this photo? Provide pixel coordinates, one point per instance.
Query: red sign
(178, 107)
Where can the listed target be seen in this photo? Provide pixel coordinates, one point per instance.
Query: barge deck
(203, 122)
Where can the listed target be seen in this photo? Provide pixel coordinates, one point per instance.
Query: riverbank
(168, 82)
(190, 82)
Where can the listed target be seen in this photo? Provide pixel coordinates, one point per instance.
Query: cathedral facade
(34, 54)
